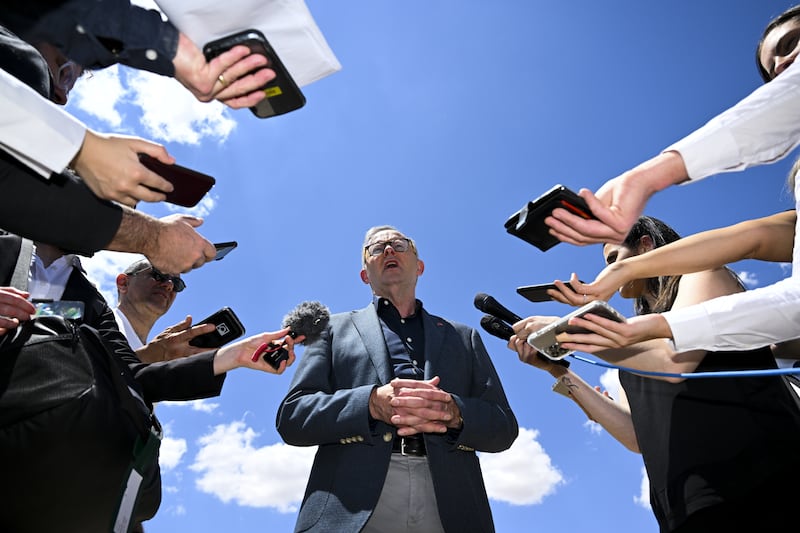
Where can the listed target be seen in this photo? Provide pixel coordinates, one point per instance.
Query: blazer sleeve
(187, 378)
(324, 406)
(489, 423)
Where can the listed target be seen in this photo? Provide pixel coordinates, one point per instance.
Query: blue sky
(446, 117)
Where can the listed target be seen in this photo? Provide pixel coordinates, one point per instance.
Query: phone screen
(224, 248)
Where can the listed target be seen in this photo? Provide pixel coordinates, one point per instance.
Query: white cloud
(156, 107)
(201, 210)
(203, 406)
(786, 268)
(171, 452)
(610, 382)
(232, 469)
(643, 498)
(99, 95)
(750, 279)
(102, 270)
(521, 475)
(593, 427)
(170, 113)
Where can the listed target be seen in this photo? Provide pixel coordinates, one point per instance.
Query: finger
(248, 100)
(245, 81)
(144, 194)
(228, 59)
(154, 150)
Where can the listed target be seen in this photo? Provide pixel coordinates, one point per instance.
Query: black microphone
(489, 305)
(308, 318)
(496, 327)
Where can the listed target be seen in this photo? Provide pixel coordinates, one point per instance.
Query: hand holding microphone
(498, 321)
(308, 319)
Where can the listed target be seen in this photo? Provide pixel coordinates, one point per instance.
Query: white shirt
(762, 128)
(125, 327)
(48, 283)
(36, 131)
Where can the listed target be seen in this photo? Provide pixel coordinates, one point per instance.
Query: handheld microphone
(489, 305)
(496, 327)
(308, 318)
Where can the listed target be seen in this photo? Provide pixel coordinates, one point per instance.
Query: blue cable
(691, 375)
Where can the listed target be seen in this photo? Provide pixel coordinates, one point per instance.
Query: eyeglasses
(177, 283)
(400, 244)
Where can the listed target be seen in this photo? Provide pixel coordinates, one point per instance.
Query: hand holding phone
(538, 293)
(545, 341)
(528, 223)
(228, 327)
(282, 93)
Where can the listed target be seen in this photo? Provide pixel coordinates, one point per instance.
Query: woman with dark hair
(715, 449)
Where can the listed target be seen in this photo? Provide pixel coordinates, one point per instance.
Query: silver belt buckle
(402, 446)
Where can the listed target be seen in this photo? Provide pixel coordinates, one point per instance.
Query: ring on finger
(222, 80)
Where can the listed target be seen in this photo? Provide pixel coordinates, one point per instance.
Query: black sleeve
(97, 33)
(61, 211)
(187, 378)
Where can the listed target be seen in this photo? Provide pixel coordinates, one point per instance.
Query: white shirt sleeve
(743, 321)
(762, 128)
(35, 130)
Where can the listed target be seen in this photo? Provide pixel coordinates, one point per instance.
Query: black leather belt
(409, 446)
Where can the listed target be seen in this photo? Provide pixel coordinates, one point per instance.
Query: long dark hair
(664, 288)
(789, 14)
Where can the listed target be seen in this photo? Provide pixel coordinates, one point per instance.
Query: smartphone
(228, 327)
(71, 309)
(189, 185)
(528, 223)
(544, 340)
(538, 293)
(282, 93)
(224, 248)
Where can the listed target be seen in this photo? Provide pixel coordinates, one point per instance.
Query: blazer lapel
(369, 329)
(434, 341)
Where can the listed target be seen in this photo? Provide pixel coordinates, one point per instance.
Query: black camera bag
(78, 445)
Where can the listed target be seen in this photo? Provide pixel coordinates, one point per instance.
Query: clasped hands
(415, 406)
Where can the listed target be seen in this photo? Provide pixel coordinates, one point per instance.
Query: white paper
(287, 25)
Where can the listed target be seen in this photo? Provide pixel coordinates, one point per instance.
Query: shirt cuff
(689, 327)
(706, 151)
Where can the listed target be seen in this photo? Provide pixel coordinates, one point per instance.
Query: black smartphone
(528, 223)
(189, 185)
(283, 94)
(228, 327)
(544, 340)
(224, 248)
(538, 293)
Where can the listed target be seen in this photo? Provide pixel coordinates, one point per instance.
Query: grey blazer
(327, 405)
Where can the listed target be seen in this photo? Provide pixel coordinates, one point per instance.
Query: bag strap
(19, 279)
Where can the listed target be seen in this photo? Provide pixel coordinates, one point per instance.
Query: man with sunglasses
(54, 275)
(144, 295)
(398, 401)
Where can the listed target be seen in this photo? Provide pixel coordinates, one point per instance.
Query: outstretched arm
(767, 239)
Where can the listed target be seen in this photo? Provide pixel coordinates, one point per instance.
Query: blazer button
(387, 437)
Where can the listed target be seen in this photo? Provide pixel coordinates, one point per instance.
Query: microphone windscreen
(309, 319)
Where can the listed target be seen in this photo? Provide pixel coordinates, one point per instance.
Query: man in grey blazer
(398, 401)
